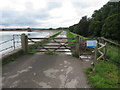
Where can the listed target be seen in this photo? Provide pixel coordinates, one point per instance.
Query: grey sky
(46, 13)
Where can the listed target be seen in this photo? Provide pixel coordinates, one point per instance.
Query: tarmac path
(45, 71)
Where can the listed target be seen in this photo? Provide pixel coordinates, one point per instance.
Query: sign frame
(91, 43)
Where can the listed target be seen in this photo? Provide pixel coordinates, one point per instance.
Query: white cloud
(47, 13)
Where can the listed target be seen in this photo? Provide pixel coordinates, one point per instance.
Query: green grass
(105, 76)
(50, 53)
(73, 35)
(107, 72)
(12, 57)
(113, 54)
(72, 42)
(55, 35)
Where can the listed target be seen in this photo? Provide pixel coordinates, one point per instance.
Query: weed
(74, 54)
(50, 53)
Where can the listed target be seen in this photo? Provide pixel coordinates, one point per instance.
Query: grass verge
(105, 76)
(12, 57)
(71, 42)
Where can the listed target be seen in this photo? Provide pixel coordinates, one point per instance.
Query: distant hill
(29, 29)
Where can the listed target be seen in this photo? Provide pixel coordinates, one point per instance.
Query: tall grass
(106, 75)
(113, 54)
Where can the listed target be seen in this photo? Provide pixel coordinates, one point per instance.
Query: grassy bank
(72, 42)
(107, 72)
(105, 76)
(73, 35)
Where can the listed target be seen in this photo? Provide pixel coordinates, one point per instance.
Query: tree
(95, 28)
(111, 27)
(83, 26)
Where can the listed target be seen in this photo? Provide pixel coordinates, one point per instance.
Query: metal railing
(10, 44)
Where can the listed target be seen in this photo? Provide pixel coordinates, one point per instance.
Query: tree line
(104, 22)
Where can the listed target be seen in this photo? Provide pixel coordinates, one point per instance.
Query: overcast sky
(46, 13)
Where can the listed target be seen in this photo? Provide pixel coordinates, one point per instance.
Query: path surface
(45, 71)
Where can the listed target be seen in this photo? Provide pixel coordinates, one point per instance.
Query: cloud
(87, 7)
(46, 13)
(29, 17)
(53, 5)
(17, 18)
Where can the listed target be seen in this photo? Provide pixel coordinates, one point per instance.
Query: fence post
(95, 57)
(80, 45)
(77, 45)
(14, 42)
(105, 52)
(96, 52)
(24, 42)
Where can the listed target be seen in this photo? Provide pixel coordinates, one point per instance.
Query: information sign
(91, 43)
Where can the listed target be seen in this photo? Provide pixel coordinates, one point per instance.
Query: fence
(80, 46)
(11, 44)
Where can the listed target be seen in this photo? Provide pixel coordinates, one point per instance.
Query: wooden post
(105, 52)
(96, 50)
(95, 57)
(80, 45)
(77, 45)
(24, 42)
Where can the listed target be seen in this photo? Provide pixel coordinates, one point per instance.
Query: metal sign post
(93, 43)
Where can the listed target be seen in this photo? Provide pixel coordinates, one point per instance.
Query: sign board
(91, 43)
